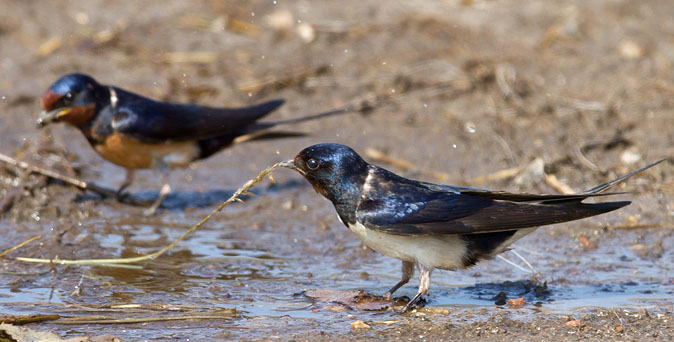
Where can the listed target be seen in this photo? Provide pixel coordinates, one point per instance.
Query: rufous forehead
(49, 99)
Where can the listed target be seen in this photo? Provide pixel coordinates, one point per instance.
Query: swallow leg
(165, 189)
(408, 271)
(127, 181)
(424, 285)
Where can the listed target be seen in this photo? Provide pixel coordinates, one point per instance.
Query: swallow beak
(290, 164)
(298, 165)
(47, 117)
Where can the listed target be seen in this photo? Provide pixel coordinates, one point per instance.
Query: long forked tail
(329, 113)
(600, 188)
(259, 130)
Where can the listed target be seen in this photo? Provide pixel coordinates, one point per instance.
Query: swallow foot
(414, 303)
(165, 190)
(122, 196)
(151, 211)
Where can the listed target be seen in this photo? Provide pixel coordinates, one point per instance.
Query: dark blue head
(336, 171)
(71, 99)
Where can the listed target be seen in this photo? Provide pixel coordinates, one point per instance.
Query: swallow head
(71, 99)
(335, 171)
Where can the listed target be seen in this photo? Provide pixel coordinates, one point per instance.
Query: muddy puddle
(294, 274)
(539, 97)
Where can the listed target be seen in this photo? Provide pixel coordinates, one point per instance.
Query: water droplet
(274, 2)
(155, 82)
(252, 14)
(454, 145)
(346, 50)
(425, 105)
(470, 127)
(278, 152)
(383, 63)
(184, 75)
(250, 94)
(393, 90)
(299, 21)
(4, 97)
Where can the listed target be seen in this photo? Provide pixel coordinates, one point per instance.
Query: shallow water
(262, 269)
(484, 86)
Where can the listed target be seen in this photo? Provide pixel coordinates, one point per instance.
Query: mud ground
(579, 90)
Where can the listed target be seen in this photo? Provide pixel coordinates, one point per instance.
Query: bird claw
(122, 196)
(151, 211)
(413, 303)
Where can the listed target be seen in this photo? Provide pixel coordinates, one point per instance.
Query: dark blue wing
(151, 121)
(399, 206)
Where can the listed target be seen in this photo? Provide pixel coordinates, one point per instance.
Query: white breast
(437, 251)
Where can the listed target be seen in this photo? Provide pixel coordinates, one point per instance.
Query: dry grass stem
(25, 319)
(558, 185)
(19, 245)
(380, 156)
(105, 192)
(152, 256)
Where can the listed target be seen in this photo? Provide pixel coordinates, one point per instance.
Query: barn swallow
(136, 132)
(431, 225)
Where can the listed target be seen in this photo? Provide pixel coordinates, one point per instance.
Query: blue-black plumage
(432, 225)
(136, 132)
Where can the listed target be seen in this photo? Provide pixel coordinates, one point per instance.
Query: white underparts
(434, 251)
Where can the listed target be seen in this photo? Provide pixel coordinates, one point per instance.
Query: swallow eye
(312, 164)
(67, 99)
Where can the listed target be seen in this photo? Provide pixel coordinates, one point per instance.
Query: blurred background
(534, 96)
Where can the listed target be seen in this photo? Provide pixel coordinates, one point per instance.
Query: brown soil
(464, 88)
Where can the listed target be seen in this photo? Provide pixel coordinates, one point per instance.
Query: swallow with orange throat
(431, 226)
(136, 132)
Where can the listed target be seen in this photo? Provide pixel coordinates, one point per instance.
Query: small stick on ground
(499, 175)
(25, 319)
(558, 185)
(152, 256)
(80, 184)
(19, 246)
(105, 192)
(221, 314)
(402, 164)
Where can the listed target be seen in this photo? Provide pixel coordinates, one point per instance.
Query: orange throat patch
(79, 116)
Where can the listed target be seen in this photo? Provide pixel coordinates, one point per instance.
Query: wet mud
(494, 94)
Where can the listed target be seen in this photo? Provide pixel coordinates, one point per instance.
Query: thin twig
(558, 185)
(20, 320)
(102, 320)
(78, 287)
(380, 156)
(105, 192)
(499, 175)
(152, 256)
(19, 246)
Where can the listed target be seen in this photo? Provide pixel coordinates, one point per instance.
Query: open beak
(47, 117)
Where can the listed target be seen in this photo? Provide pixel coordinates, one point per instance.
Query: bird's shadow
(181, 200)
